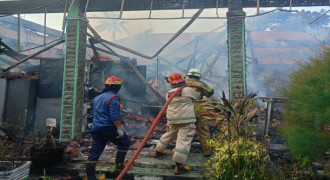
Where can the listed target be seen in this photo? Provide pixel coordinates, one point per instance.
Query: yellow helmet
(194, 72)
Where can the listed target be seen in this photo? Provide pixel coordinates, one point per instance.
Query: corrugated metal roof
(31, 6)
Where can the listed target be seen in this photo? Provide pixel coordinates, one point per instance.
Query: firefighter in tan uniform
(181, 123)
(203, 129)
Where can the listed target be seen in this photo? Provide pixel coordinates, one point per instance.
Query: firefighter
(107, 127)
(180, 124)
(203, 129)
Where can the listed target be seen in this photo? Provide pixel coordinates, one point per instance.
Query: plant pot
(21, 170)
(46, 156)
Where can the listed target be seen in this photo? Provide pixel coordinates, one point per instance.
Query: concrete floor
(145, 166)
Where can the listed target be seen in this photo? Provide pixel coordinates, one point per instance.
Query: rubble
(21, 75)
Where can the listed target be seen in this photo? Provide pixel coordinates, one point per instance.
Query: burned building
(32, 92)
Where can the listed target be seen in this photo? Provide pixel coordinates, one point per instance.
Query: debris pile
(21, 75)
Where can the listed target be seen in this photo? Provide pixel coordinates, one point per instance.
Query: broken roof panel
(37, 6)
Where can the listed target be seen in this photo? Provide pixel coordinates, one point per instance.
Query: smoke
(277, 43)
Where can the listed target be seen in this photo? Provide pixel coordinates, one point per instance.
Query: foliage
(237, 153)
(308, 110)
(44, 177)
(113, 25)
(3, 149)
(11, 147)
(9, 153)
(251, 162)
(292, 170)
(13, 134)
(45, 141)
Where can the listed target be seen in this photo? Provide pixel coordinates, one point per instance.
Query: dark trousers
(100, 139)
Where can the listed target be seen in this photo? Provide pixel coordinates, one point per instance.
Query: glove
(90, 125)
(120, 132)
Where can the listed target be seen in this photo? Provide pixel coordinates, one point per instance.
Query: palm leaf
(251, 115)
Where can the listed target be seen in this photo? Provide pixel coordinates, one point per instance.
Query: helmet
(176, 78)
(112, 80)
(195, 72)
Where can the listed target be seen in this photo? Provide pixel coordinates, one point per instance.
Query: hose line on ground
(146, 137)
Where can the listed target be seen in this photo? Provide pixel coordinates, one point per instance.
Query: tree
(113, 25)
(307, 112)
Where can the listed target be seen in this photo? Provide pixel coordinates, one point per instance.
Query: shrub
(238, 155)
(3, 149)
(252, 159)
(308, 109)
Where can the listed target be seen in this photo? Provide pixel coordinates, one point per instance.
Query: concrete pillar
(236, 49)
(73, 77)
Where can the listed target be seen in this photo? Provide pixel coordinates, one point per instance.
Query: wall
(3, 87)
(49, 95)
(20, 105)
(47, 108)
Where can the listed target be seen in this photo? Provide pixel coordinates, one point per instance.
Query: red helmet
(112, 80)
(176, 78)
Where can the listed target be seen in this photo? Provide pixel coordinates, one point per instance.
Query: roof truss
(53, 6)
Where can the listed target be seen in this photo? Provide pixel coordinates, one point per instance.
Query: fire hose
(146, 137)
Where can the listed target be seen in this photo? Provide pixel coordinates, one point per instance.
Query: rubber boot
(181, 169)
(206, 149)
(159, 155)
(120, 158)
(90, 171)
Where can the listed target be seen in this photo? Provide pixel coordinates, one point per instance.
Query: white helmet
(194, 72)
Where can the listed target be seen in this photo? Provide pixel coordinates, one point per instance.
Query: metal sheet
(51, 78)
(20, 105)
(3, 91)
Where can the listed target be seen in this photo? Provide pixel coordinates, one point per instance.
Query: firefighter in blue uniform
(107, 127)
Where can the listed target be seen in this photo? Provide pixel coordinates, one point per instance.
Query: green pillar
(73, 77)
(236, 49)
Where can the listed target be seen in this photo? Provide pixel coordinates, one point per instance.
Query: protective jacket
(205, 90)
(181, 108)
(106, 108)
(200, 110)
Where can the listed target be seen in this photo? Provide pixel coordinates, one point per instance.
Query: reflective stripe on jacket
(181, 108)
(106, 108)
(204, 90)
